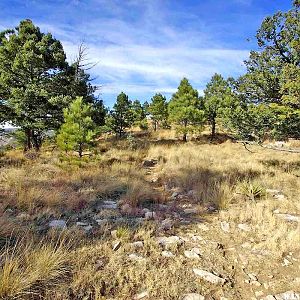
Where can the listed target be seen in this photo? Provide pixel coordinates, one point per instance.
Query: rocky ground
(193, 248)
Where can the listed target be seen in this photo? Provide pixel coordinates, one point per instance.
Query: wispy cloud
(141, 47)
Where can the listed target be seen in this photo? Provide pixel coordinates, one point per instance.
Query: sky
(143, 47)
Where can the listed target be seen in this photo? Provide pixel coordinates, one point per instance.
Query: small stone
(150, 215)
(114, 234)
(259, 293)
(101, 221)
(117, 246)
(193, 296)
(269, 297)
(108, 204)
(141, 295)
(290, 295)
(225, 226)
(256, 283)
(9, 211)
(190, 211)
(289, 217)
(81, 224)
(279, 197)
(252, 277)
(244, 227)
(209, 276)
(191, 254)
(136, 257)
(286, 262)
(174, 195)
(138, 244)
(272, 192)
(60, 224)
(88, 228)
(167, 254)
(169, 241)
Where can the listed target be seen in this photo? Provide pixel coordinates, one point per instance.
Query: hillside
(151, 218)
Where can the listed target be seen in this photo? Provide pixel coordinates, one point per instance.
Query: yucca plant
(252, 189)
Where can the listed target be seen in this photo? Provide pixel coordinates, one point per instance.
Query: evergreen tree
(271, 84)
(218, 96)
(121, 116)
(158, 110)
(184, 109)
(31, 65)
(78, 130)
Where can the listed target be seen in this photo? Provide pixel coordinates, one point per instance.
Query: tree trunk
(213, 129)
(155, 125)
(185, 133)
(80, 150)
(27, 142)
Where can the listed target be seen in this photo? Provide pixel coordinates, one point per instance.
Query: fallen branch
(245, 143)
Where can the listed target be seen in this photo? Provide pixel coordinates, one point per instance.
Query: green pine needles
(78, 130)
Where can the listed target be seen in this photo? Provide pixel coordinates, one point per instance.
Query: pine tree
(121, 116)
(218, 96)
(78, 130)
(31, 65)
(184, 109)
(158, 110)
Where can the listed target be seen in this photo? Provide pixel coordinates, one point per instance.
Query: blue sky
(147, 46)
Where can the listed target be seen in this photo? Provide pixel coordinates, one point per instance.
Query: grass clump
(252, 190)
(27, 270)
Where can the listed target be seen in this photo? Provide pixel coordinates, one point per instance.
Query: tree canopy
(184, 108)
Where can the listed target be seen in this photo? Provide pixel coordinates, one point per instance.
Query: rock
(279, 197)
(149, 163)
(138, 244)
(145, 210)
(225, 226)
(174, 195)
(290, 295)
(279, 144)
(150, 215)
(273, 192)
(87, 228)
(117, 246)
(210, 277)
(81, 224)
(9, 211)
(166, 224)
(108, 204)
(244, 227)
(167, 254)
(252, 276)
(203, 227)
(269, 297)
(289, 217)
(101, 221)
(59, 224)
(114, 234)
(192, 296)
(169, 241)
(191, 254)
(190, 211)
(136, 257)
(259, 293)
(141, 295)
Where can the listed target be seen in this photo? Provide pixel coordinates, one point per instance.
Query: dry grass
(27, 269)
(226, 175)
